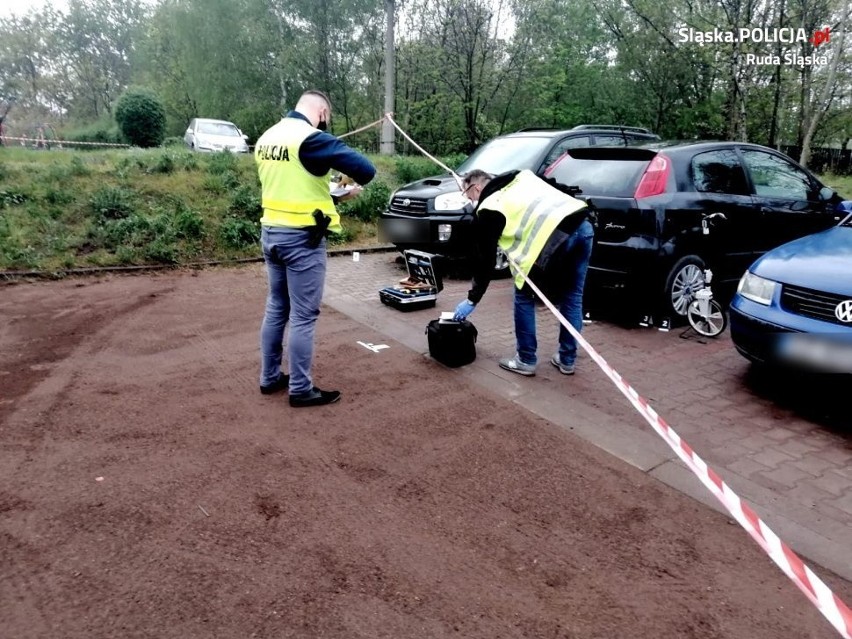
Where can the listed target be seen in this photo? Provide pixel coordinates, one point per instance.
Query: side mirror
(245, 137)
(826, 193)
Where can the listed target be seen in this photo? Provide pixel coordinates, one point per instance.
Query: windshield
(506, 154)
(218, 128)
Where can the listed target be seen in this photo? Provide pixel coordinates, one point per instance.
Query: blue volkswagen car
(793, 307)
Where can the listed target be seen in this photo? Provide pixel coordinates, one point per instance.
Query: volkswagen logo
(844, 311)
(406, 202)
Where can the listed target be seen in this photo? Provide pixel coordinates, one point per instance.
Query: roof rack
(611, 127)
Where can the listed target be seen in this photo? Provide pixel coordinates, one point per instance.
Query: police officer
(547, 233)
(295, 158)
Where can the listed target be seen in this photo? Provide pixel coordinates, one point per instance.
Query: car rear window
(607, 172)
(506, 154)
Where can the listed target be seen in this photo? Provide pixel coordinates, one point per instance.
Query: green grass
(64, 209)
(840, 183)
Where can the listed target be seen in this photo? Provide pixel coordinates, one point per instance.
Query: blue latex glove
(464, 309)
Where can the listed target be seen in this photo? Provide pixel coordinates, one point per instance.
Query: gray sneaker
(565, 370)
(517, 366)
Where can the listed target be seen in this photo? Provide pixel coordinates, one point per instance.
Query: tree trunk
(824, 99)
(776, 79)
(281, 80)
(825, 95)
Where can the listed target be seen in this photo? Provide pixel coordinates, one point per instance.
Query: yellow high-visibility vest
(533, 209)
(290, 192)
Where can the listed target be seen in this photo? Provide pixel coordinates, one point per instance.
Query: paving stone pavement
(784, 445)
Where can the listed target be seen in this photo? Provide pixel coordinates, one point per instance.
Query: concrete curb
(142, 268)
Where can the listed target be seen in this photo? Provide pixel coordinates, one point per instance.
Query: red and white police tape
(829, 604)
(61, 142)
(389, 118)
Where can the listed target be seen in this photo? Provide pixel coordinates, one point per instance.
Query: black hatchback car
(666, 211)
(430, 214)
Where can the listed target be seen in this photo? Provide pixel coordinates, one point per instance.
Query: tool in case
(420, 289)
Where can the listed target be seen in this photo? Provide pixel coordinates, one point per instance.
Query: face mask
(322, 125)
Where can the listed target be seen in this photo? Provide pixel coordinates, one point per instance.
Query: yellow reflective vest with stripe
(290, 192)
(533, 209)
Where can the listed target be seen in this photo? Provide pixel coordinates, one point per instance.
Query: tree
(814, 111)
(141, 117)
(95, 40)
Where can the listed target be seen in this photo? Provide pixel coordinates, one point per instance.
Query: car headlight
(454, 201)
(757, 289)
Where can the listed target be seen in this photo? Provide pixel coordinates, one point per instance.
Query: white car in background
(204, 134)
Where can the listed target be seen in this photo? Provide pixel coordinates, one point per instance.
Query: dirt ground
(147, 489)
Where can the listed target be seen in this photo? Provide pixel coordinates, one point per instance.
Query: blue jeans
(296, 274)
(567, 266)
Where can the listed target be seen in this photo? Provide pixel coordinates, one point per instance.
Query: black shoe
(314, 397)
(280, 384)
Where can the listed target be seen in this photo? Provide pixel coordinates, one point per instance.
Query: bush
(112, 203)
(173, 141)
(245, 203)
(187, 160)
(165, 163)
(453, 161)
(189, 225)
(231, 180)
(161, 251)
(134, 230)
(126, 255)
(104, 132)
(369, 204)
(59, 197)
(336, 239)
(141, 117)
(20, 256)
(239, 233)
(214, 184)
(78, 167)
(410, 169)
(222, 162)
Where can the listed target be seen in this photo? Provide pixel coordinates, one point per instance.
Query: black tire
(684, 279)
(711, 325)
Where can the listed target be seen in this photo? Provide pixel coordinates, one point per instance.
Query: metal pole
(387, 146)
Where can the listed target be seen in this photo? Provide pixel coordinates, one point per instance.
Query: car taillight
(654, 179)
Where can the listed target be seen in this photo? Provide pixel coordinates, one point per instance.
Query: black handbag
(452, 343)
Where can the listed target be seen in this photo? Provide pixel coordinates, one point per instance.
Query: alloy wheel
(688, 281)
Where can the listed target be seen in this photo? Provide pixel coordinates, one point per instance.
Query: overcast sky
(20, 7)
